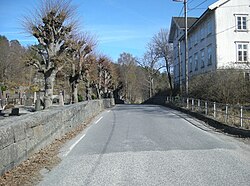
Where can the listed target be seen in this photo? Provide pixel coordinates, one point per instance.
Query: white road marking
(108, 110)
(72, 146)
(99, 120)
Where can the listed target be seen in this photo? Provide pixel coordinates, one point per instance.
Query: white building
(219, 38)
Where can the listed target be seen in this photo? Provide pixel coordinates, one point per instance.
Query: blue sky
(119, 25)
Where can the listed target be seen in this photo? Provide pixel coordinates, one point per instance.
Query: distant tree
(53, 25)
(128, 75)
(16, 65)
(104, 83)
(4, 55)
(152, 65)
(12, 65)
(163, 49)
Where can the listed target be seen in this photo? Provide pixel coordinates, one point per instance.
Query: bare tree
(90, 75)
(128, 75)
(104, 83)
(52, 25)
(4, 53)
(12, 66)
(152, 64)
(164, 50)
(80, 47)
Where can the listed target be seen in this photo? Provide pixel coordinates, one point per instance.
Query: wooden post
(199, 105)
(187, 103)
(38, 102)
(226, 113)
(214, 109)
(206, 110)
(61, 102)
(241, 116)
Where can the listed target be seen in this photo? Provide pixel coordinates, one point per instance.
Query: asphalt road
(151, 145)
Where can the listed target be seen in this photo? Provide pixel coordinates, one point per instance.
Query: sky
(118, 25)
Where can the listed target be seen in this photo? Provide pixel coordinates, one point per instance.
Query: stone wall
(24, 135)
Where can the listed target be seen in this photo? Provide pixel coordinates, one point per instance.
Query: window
(241, 22)
(196, 61)
(190, 64)
(190, 42)
(209, 27)
(209, 55)
(196, 38)
(202, 33)
(202, 58)
(242, 52)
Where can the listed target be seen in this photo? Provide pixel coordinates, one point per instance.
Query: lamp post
(186, 44)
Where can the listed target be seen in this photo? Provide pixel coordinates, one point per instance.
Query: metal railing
(233, 115)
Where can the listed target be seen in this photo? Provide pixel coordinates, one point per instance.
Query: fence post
(226, 114)
(187, 103)
(241, 116)
(199, 105)
(214, 109)
(206, 111)
(192, 103)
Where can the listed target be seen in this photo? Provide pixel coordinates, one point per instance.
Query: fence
(233, 115)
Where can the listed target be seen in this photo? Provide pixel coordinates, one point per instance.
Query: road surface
(150, 145)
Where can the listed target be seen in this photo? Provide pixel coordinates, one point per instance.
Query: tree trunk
(87, 87)
(169, 76)
(74, 90)
(98, 92)
(105, 83)
(49, 86)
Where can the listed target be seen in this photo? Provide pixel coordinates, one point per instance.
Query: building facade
(218, 39)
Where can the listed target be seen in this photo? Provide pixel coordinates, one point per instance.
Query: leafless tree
(80, 47)
(128, 75)
(164, 50)
(53, 25)
(152, 64)
(4, 53)
(105, 74)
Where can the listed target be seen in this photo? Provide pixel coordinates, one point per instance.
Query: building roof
(217, 4)
(179, 22)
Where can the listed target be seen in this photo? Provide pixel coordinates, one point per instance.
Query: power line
(198, 5)
(232, 27)
(181, 12)
(189, 2)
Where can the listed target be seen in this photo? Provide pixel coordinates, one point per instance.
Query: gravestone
(15, 112)
(61, 101)
(38, 102)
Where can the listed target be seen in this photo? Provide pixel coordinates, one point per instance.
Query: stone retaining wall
(24, 135)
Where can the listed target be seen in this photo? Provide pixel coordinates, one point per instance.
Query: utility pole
(186, 45)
